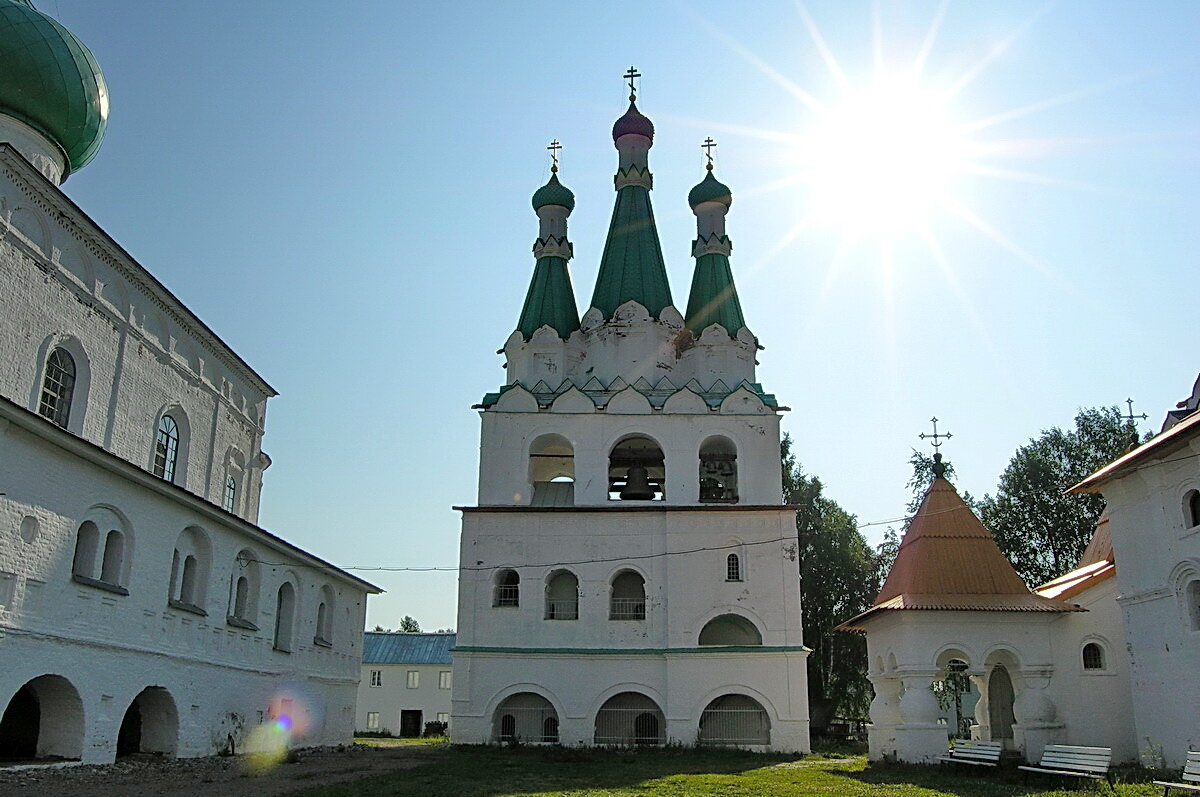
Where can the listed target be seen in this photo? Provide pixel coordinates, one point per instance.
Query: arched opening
(244, 586)
(733, 567)
(1000, 704)
(87, 543)
(187, 586)
(954, 694)
(1191, 508)
(507, 589)
(1192, 594)
(324, 635)
(734, 720)
(718, 471)
(150, 724)
(166, 448)
(730, 629)
(1093, 656)
(552, 471)
(43, 719)
(189, 570)
(628, 601)
(636, 470)
(562, 596)
(285, 610)
(114, 557)
(58, 387)
(629, 719)
(525, 717)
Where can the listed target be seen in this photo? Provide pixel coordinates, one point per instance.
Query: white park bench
(1191, 776)
(1074, 762)
(981, 754)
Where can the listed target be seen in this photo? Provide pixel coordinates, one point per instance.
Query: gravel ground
(228, 776)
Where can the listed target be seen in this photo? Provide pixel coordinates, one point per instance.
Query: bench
(1191, 776)
(981, 754)
(1074, 762)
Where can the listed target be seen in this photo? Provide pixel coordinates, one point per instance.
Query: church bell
(637, 485)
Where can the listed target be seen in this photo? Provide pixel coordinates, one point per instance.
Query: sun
(884, 160)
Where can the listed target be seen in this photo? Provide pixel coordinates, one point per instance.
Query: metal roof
(714, 298)
(632, 268)
(394, 647)
(1165, 443)
(948, 561)
(550, 300)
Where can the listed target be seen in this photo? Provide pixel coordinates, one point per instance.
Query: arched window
(562, 596)
(58, 387)
(1192, 594)
(1191, 509)
(628, 600)
(630, 718)
(733, 567)
(734, 720)
(166, 448)
(87, 543)
(1093, 656)
(114, 558)
(730, 629)
(189, 571)
(552, 471)
(636, 470)
(285, 610)
(507, 590)
(324, 635)
(229, 501)
(718, 471)
(243, 599)
(187, 584)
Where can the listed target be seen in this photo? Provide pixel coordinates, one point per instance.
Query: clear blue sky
(342, 192)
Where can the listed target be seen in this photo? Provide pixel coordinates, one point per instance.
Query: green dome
(553, 193)
(710, 189)
(51, 82)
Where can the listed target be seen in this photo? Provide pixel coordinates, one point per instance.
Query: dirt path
(228, 777)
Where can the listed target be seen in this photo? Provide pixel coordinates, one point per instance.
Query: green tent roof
(714, 298)
(550, 301)
(50, 81)
(632, 267)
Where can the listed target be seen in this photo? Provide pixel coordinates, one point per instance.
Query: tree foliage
(408, 625)
(837, 581)
(1041, 530)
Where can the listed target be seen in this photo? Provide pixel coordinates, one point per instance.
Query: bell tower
(628, 572)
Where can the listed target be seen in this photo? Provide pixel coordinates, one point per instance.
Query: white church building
(141, 607)
(628, 576)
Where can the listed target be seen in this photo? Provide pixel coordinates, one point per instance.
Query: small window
(87, 543)
(443, 717)
(114, 557)
(166, 448)
(508, 589)
(628, 600)
(1093, 656)
(444, 679)
(1191, 509)
(241, 595)
(230, 499)
(1192, 593)
(372, 720)
(187, 585)
(414, 679)
(285, 609)
(733, 568)
(562, 596)
(58, 387)
(376, 677)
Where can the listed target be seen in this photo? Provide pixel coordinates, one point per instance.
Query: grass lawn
(488, 771)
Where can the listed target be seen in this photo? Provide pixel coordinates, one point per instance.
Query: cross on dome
(939, 469)
(630, 74)
(707, 146)
(554, 148)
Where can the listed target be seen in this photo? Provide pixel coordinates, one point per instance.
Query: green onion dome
(710, 189)
(633, 122)
(553, 193)
(50, 81)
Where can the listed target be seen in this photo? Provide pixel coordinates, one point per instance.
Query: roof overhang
(1157, 447)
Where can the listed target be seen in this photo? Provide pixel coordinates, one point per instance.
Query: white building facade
(406, 683)
(141, 608)
(628, 574)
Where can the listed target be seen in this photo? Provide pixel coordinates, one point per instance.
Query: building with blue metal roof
(406, 682)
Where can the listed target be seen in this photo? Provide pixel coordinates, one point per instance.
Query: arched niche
(150, 724)
(525, 717)
(730, 629)
(734, 720)
(552, 471)
(630, 719)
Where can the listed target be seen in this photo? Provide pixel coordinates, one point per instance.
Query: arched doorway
(525, 717)
(150, 724)
(734, 720)
(1000, 704)
(43, 719)
(629, 719)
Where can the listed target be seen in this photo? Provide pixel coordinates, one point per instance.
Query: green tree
(408, 625)
(837, 581)
(1039, 528)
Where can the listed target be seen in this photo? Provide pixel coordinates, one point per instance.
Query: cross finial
(554, 148)
(707, 146)
(1133, 419)
(630, 74)
(938, 468)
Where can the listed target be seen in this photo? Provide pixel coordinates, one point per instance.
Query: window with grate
(1093, 656)
(230, 498)
(58, 387)
(166, 448)
(376, 677)
(733, 568)
(508, 589)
